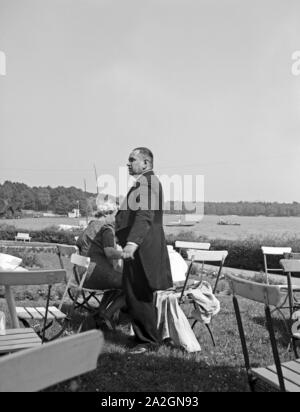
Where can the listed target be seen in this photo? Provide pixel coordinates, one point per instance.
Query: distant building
(74, 213)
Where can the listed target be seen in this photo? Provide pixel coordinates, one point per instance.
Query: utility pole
(2, 63)
(96, 177)
(86, 203)
(77, 212)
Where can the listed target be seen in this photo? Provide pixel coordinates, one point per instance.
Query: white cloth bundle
(9, 262)
(172, 322)
(207, 304)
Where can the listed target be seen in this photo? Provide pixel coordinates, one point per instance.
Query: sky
(207, 85)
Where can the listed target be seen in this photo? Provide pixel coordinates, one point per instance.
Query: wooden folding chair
(84, 298)
(88, 299)
(283, 376)
(291, 268)
(36, 369)
(43, 314)
(202, 256)
(269, 251)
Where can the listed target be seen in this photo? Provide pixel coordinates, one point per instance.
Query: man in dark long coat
(139, 229)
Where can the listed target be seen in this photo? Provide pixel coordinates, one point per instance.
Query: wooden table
(10, 247)
(16, 339)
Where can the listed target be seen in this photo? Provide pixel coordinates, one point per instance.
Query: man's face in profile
(136, 163)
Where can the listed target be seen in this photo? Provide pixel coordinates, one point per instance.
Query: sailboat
(227, 223)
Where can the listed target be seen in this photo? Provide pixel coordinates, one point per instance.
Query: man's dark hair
(146, 153)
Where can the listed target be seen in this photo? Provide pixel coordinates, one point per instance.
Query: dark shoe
(103, 320)
(169, 343)
(132, 341)
(142, 348)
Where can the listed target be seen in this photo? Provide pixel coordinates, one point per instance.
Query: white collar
(137, 178)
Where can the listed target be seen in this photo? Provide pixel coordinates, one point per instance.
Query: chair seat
(291, 375)
(38, 313)
(16, 339)
(284, 288)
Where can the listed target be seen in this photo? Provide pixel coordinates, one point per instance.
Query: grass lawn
(214, 369)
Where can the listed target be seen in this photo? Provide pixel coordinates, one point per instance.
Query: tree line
(241, 208)
(252, 208)
(16, 197)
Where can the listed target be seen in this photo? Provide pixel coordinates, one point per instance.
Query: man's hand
(128, 251)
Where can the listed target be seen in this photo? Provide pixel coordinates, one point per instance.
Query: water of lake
(279, 227)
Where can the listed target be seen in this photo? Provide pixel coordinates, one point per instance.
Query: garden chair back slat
(38, 277)
(255, 291)
(181, 244)
(290, 265)
(36, 369)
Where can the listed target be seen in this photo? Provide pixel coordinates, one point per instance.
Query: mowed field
(277, 227)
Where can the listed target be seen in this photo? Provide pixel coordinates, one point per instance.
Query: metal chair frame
(81, 296)
(283, 376)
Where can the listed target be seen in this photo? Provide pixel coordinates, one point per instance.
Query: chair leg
(294, 346)
(252, 381)
(80, 327)
(209, 330)
(211, 334)
(218, 277)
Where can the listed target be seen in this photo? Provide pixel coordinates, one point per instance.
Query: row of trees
(252, 208)
(15, 197)
(239, 208)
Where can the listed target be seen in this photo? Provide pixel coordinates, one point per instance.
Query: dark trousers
(139, 299)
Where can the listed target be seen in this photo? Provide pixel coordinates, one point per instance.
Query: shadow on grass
(166, 370)
(156, 372)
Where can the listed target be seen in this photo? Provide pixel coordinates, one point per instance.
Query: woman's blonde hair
(105, 206)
